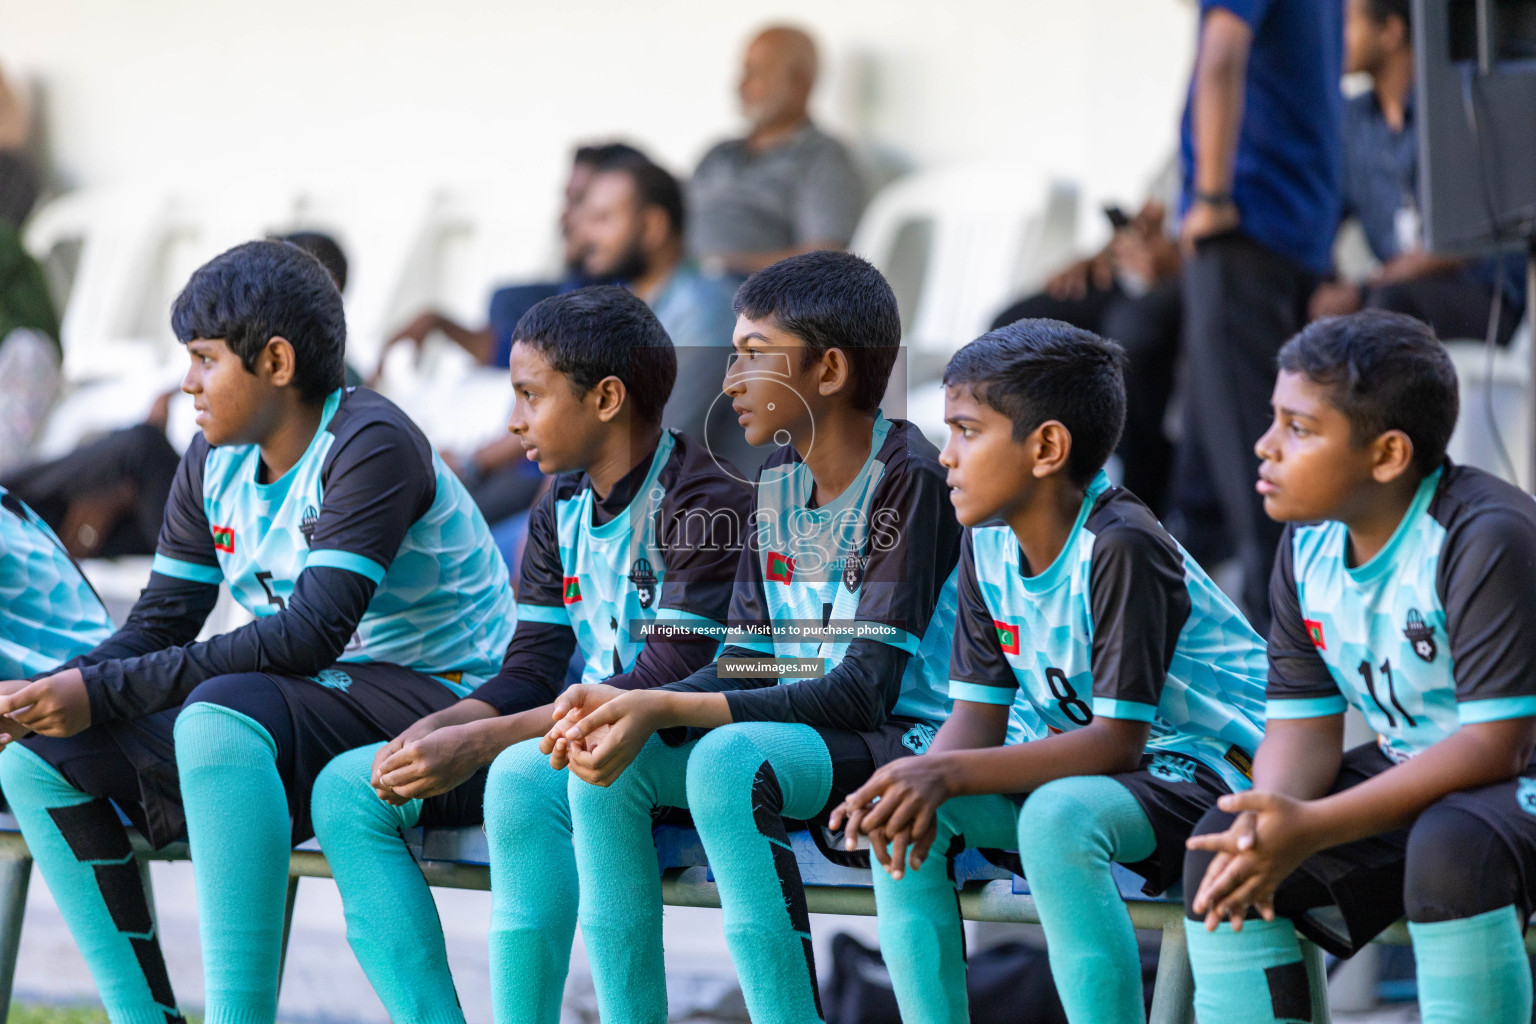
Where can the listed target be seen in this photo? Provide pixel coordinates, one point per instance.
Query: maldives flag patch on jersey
(224, 539)
(1007, 636)
(781, 568)
(572, 592)
(1315, 633)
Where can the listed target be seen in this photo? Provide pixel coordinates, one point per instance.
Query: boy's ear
(1051, 446)
(655, 225)
(279, 361)
(1391, 456)
(834, 372)
(609, 393)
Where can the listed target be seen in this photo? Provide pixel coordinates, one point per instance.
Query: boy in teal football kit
(378, 596)
(1100, 679)
(49, 613)
(1404, 587)
(635, 533)
(848, 567)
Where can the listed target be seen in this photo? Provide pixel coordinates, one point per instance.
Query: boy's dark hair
(604, 331)
(1037, 370)
(608, 154)
(1381, 10)
(1383, 371)
(654, 186)
(323, 248)
(261, 290)
(831, 299)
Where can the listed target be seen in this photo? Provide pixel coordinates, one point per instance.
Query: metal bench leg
(1173, 998)
(282, 957)
(1317, 979)
(15, 876)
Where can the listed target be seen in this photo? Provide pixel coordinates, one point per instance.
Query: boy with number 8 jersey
(379, 597)
(1100, 679)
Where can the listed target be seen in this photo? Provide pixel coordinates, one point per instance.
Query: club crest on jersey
(644, 579)
(853, 572)
(1526, 797)
(308, 522)
(1421, 635)
(917, 738)
(781, 568)
(224, 539)
(1172, 768)
(1315, 633)
(572, 591)
(1007, 636)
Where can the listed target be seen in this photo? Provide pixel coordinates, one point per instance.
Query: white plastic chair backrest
(378, 220)
(987, 232)
(116, 229)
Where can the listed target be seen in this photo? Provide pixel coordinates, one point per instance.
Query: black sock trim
(92, 831)
(1290, 994)
(767, 814)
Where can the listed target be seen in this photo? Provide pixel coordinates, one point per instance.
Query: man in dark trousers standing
(1261, 165)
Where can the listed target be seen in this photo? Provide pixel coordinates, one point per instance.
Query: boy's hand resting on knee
(56, 705)
(1272, 835)
(441, 760)
(898, 810)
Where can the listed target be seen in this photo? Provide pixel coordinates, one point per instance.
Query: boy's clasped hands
(599, 730)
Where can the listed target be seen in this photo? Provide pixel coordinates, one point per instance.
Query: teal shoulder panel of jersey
(48, 611)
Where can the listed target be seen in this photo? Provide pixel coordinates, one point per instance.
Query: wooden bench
(459, 859)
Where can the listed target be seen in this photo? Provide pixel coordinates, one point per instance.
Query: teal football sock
(1070, 831)
(1255, 976)
(1473, 970)
(921, 935)
(743, 779)
(237, 826)
(392, 922)
(82, 850)
(620, 906)
(533, 885)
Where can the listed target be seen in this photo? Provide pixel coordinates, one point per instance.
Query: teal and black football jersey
(1437, 630)
(875, 564)
(48, 611)
(659, 552)
(1123, 624)
(368, 546)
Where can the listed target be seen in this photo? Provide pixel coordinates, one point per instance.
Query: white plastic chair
(1495, 398)
(959, 243)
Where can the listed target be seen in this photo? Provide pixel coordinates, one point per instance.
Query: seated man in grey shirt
(787, 187)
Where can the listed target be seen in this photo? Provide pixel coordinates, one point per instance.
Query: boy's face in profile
(989, 472)
(234, 405)
(558, 429)
(1311, 468)
(770, 393)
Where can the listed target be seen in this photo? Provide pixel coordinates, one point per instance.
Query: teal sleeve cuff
(553, 615)
(192, 571)
(1306, 707)
(1495, 709)
(976, 693)
(330, 558)
(1124, 710)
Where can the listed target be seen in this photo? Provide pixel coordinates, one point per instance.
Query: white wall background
(187, 89)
